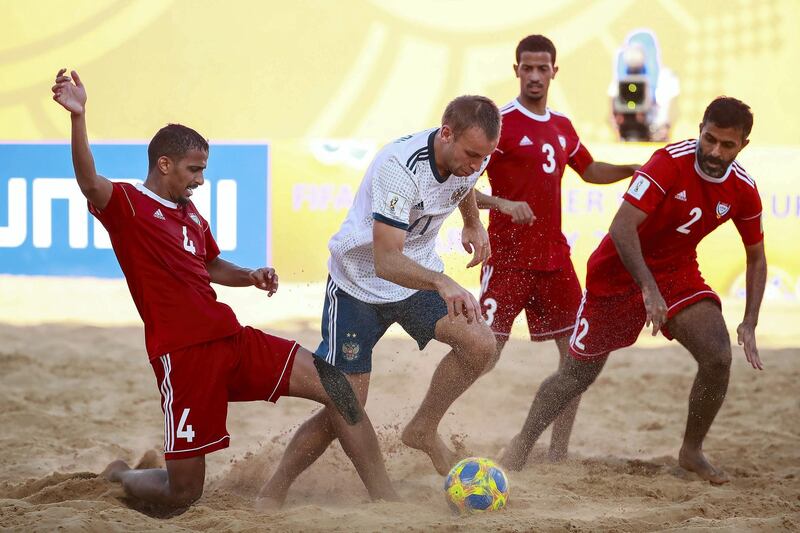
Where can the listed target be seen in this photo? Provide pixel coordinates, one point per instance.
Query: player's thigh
(503, 296)
(553, 305)
(194, 399)
(350, 330)
(306, 380)
(262, 367)
(701, 328)
(605, 324)
(475, 341)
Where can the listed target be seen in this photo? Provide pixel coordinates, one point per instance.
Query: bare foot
(695, 461)
(442, 458)
(512, 457)
(113, 470)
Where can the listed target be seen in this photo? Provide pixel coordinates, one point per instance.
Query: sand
(73, 398)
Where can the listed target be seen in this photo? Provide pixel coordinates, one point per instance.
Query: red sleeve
(212, 249)
(650, 183)
(748, 219)
(580, 159)
(119, 207)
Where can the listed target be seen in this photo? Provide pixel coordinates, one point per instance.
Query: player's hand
(265, 279)
(459, 300)
(520, 212)
(655, 306)
(70, 92)
(475, 240)
(746, 335)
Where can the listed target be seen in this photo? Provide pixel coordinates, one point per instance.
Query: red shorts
(197, 383)
(607, 323)
(550, 300)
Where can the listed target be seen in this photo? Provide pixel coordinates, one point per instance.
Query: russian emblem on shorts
(722, 209)
(351, 348)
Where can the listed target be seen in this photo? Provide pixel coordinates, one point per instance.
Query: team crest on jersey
(195, 218)
(722, 209)
(562, 141)
(457, 194)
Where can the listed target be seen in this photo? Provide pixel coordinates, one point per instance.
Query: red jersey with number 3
(163, 249)
(531, 156)
(683, 205)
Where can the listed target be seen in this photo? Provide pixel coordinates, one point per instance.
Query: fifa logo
(393, 203)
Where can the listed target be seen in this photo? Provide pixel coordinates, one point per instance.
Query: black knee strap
(339, 390)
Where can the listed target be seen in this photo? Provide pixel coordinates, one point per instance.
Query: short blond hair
(469, 111)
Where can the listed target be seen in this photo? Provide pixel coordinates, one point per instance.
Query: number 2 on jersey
(696, 213)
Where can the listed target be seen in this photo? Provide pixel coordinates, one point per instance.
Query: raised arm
(226, 273)
(71, 94)
(520, 212)
(755, 283)
(393, 265)
(623, 232)
(602, 173)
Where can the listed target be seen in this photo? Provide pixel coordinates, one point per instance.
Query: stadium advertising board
(46, 229)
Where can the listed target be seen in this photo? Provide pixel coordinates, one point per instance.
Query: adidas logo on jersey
(159, 215)
(525, 141)
(681, 196)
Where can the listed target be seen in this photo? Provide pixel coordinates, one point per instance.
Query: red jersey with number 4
(163, 249)
(683, 205)
(528, 165)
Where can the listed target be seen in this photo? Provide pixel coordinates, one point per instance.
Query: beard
(713, 166)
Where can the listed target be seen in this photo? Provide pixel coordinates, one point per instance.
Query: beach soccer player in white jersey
(384, 270)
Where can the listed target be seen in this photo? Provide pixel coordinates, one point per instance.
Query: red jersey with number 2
(531, 156)
(683, 205)
(163, 249)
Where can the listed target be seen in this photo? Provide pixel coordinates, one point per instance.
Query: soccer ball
(475, 485)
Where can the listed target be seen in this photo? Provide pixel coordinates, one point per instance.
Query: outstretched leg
(562, 426)
(701, 329)
(474, 351)
(315, 435)
(554, 395)
(177, 486)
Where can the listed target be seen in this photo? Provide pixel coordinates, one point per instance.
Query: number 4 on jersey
(184, 431)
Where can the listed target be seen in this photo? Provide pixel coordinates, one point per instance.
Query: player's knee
(483, 349)
(717, 354)
(185, 494)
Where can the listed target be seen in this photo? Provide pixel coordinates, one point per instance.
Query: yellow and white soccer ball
(476, 485)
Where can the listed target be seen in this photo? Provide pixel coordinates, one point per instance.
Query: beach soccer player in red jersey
(645, 272)
(201, 356)
(530, 268)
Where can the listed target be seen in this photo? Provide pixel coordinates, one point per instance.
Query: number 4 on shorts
(184, 431)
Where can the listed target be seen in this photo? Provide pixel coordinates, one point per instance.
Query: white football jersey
(402, 188)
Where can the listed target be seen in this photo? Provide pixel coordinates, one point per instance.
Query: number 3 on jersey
(549, 152)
